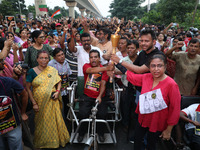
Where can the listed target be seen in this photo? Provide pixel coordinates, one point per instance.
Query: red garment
(171, 67)
(47, 41)
(187, 40)
(92, 82)
(25, 44)
(158, 121)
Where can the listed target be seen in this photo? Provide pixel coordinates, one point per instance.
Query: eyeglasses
(85, 41)
(45, 58)
(41, 37)
(158, 66)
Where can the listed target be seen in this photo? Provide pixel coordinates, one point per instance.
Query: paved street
(122, 142)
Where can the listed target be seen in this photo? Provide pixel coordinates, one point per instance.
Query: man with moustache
(82, 52)
(104, 43)
(187, 66)
(147, 42)
(95, 78)
(140, 65)
(60, 63)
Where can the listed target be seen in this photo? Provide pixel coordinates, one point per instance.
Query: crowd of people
(154, 64)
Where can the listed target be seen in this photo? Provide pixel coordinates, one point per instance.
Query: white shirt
(83, 57)
(191, 114)
(119, 54)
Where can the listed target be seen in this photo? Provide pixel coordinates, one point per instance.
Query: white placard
(151, 102)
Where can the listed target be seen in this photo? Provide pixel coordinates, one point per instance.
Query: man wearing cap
(58, 30)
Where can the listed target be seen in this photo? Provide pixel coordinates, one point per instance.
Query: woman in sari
(50, 129)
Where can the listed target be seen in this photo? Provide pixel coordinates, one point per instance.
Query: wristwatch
(120, 61)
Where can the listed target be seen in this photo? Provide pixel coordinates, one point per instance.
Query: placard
(93, 82)
(7, 119)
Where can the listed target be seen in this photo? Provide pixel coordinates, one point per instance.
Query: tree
(174, 11)
(152, 17)
(31, 9)
(11, 7)
(127, 9)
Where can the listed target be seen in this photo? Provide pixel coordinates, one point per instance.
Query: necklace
(39, 68)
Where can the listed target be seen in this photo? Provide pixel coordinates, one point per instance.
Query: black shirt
(143, 58)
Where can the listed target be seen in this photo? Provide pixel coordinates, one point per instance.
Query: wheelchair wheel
(91, 147)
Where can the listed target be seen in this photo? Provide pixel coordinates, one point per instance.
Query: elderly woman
(159, 103)
(50, 129)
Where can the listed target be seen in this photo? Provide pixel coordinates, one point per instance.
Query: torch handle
(113, 52)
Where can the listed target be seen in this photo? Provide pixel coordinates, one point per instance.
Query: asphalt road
(121, 136)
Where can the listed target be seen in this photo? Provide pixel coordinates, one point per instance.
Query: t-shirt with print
(191, 114)
(186, 71)
(92, 82)
(6, 84)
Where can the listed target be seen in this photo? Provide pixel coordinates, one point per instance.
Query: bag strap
(3, 87)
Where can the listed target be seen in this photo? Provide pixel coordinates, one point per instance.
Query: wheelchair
(114, 116)
(186, 101)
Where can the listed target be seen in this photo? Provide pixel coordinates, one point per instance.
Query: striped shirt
(72, 61)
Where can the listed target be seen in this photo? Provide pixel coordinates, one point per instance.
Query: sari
(50, 129)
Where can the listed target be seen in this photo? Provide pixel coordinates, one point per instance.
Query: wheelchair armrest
(119, 89)
(69, 88)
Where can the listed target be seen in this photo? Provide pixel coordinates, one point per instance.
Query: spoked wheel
(93, 146)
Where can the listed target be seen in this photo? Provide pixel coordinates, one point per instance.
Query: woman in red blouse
(159, 103)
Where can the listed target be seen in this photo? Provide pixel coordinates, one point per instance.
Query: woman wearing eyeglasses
(38, 38)
(159, 103)
(50, 129)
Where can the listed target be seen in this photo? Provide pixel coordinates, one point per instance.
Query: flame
(118, 29)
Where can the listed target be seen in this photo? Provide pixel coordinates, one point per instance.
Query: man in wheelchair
(95, 78)
(191, 116)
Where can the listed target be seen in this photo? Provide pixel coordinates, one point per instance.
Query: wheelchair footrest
(108, 139)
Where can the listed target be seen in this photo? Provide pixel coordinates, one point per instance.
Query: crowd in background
(47, 55)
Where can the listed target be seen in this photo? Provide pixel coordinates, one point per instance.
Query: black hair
(84, 34)
(128, 35)
(33, 23)
(25, 28)
(159, 56)
(94, 51)
(35, 34)
(193, 40)
(51, 35)
(2, 40)
(96, 33)
(133, 42)
(148, 31)
(56, 51)
(53, 26)
(43, 51)
(9, 33)
(77, 33)
(39, 21)
(21, 31)
(124, 38)
(188, 34)
(106, 31)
